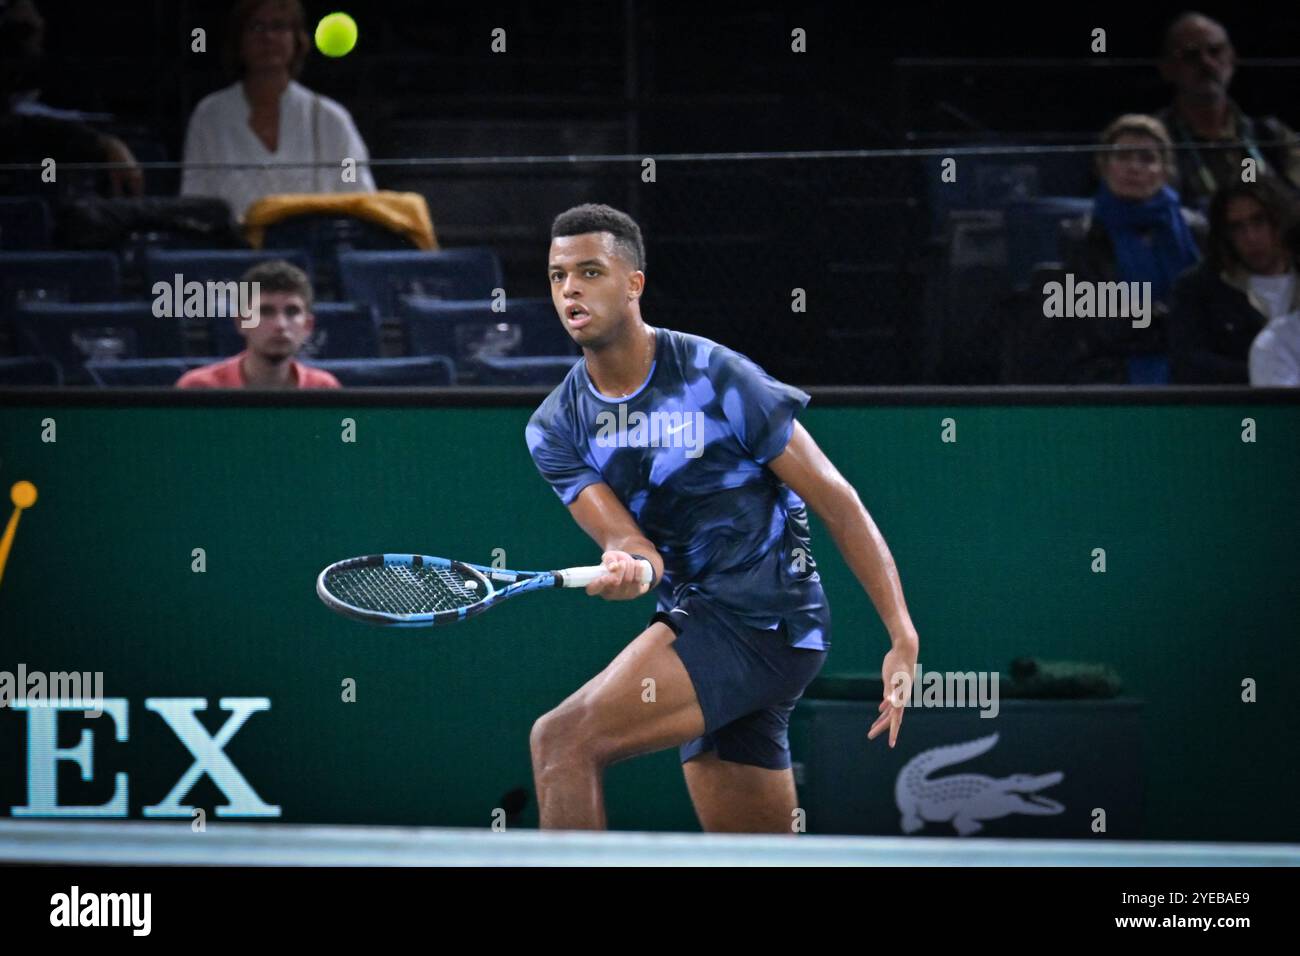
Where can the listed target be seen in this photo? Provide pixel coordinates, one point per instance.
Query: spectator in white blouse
(1275, 353)
(268, 117)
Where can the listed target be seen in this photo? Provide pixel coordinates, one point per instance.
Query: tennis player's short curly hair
(242, 13)
(595, 217)
(280, 275)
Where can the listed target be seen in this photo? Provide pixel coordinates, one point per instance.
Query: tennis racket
(415, 590)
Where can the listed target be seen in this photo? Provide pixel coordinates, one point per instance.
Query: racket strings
(398, 589)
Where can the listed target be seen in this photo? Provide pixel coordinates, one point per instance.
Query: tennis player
(671, 449)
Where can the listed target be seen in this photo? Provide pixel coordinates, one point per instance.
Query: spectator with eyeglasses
(1212, 133)
(266, 116)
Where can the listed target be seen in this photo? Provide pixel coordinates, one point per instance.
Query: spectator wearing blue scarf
(1138, 232)
(1152, 240)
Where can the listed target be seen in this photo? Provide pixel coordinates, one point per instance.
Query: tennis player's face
(284, 325)
(592, 286)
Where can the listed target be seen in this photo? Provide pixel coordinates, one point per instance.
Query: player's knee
(539, 737)
(557, 737)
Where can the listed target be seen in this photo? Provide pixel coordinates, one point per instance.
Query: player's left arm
(806, 470)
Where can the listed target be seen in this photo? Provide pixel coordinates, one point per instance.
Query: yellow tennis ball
(336, 34)
(23, 494)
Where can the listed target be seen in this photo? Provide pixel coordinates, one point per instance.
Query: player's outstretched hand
(897, 671)
(620, 582)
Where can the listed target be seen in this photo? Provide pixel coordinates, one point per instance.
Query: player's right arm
(608, 522)
(553, 442)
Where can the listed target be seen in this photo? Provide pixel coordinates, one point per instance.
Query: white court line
(139, 843)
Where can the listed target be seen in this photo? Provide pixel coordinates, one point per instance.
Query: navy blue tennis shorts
(747, 681)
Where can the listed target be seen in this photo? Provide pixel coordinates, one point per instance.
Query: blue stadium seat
(57, 277)
(463, 329)
(424, 371)
(997, 179)
(984, 182)
(548, 370)
(381, 278)
(325, 238)
(141, 373)
(72, 334)
(25, 224)
(28, 370)
(52, 277)
(1033, 233)
(343, 330)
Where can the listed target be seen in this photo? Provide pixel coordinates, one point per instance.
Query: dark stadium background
(727, 241)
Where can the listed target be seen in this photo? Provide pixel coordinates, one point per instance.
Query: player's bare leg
(740, 798)
(607, 720)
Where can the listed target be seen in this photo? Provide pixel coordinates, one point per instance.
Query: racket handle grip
(581, 577)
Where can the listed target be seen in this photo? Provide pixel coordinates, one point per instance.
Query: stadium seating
(422, 371)
(72, 334)
(380, 279)
(25, 224)
(464, 328)
(425, 371)
(325, 238)
(1033, 233)
(212, 265)
(29, 371)
(57, 277)
(141, 373)
(548, 370)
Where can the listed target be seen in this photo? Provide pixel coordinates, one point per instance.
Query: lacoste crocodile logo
(966, 799)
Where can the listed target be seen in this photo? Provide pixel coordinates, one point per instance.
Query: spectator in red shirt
(285, 322)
